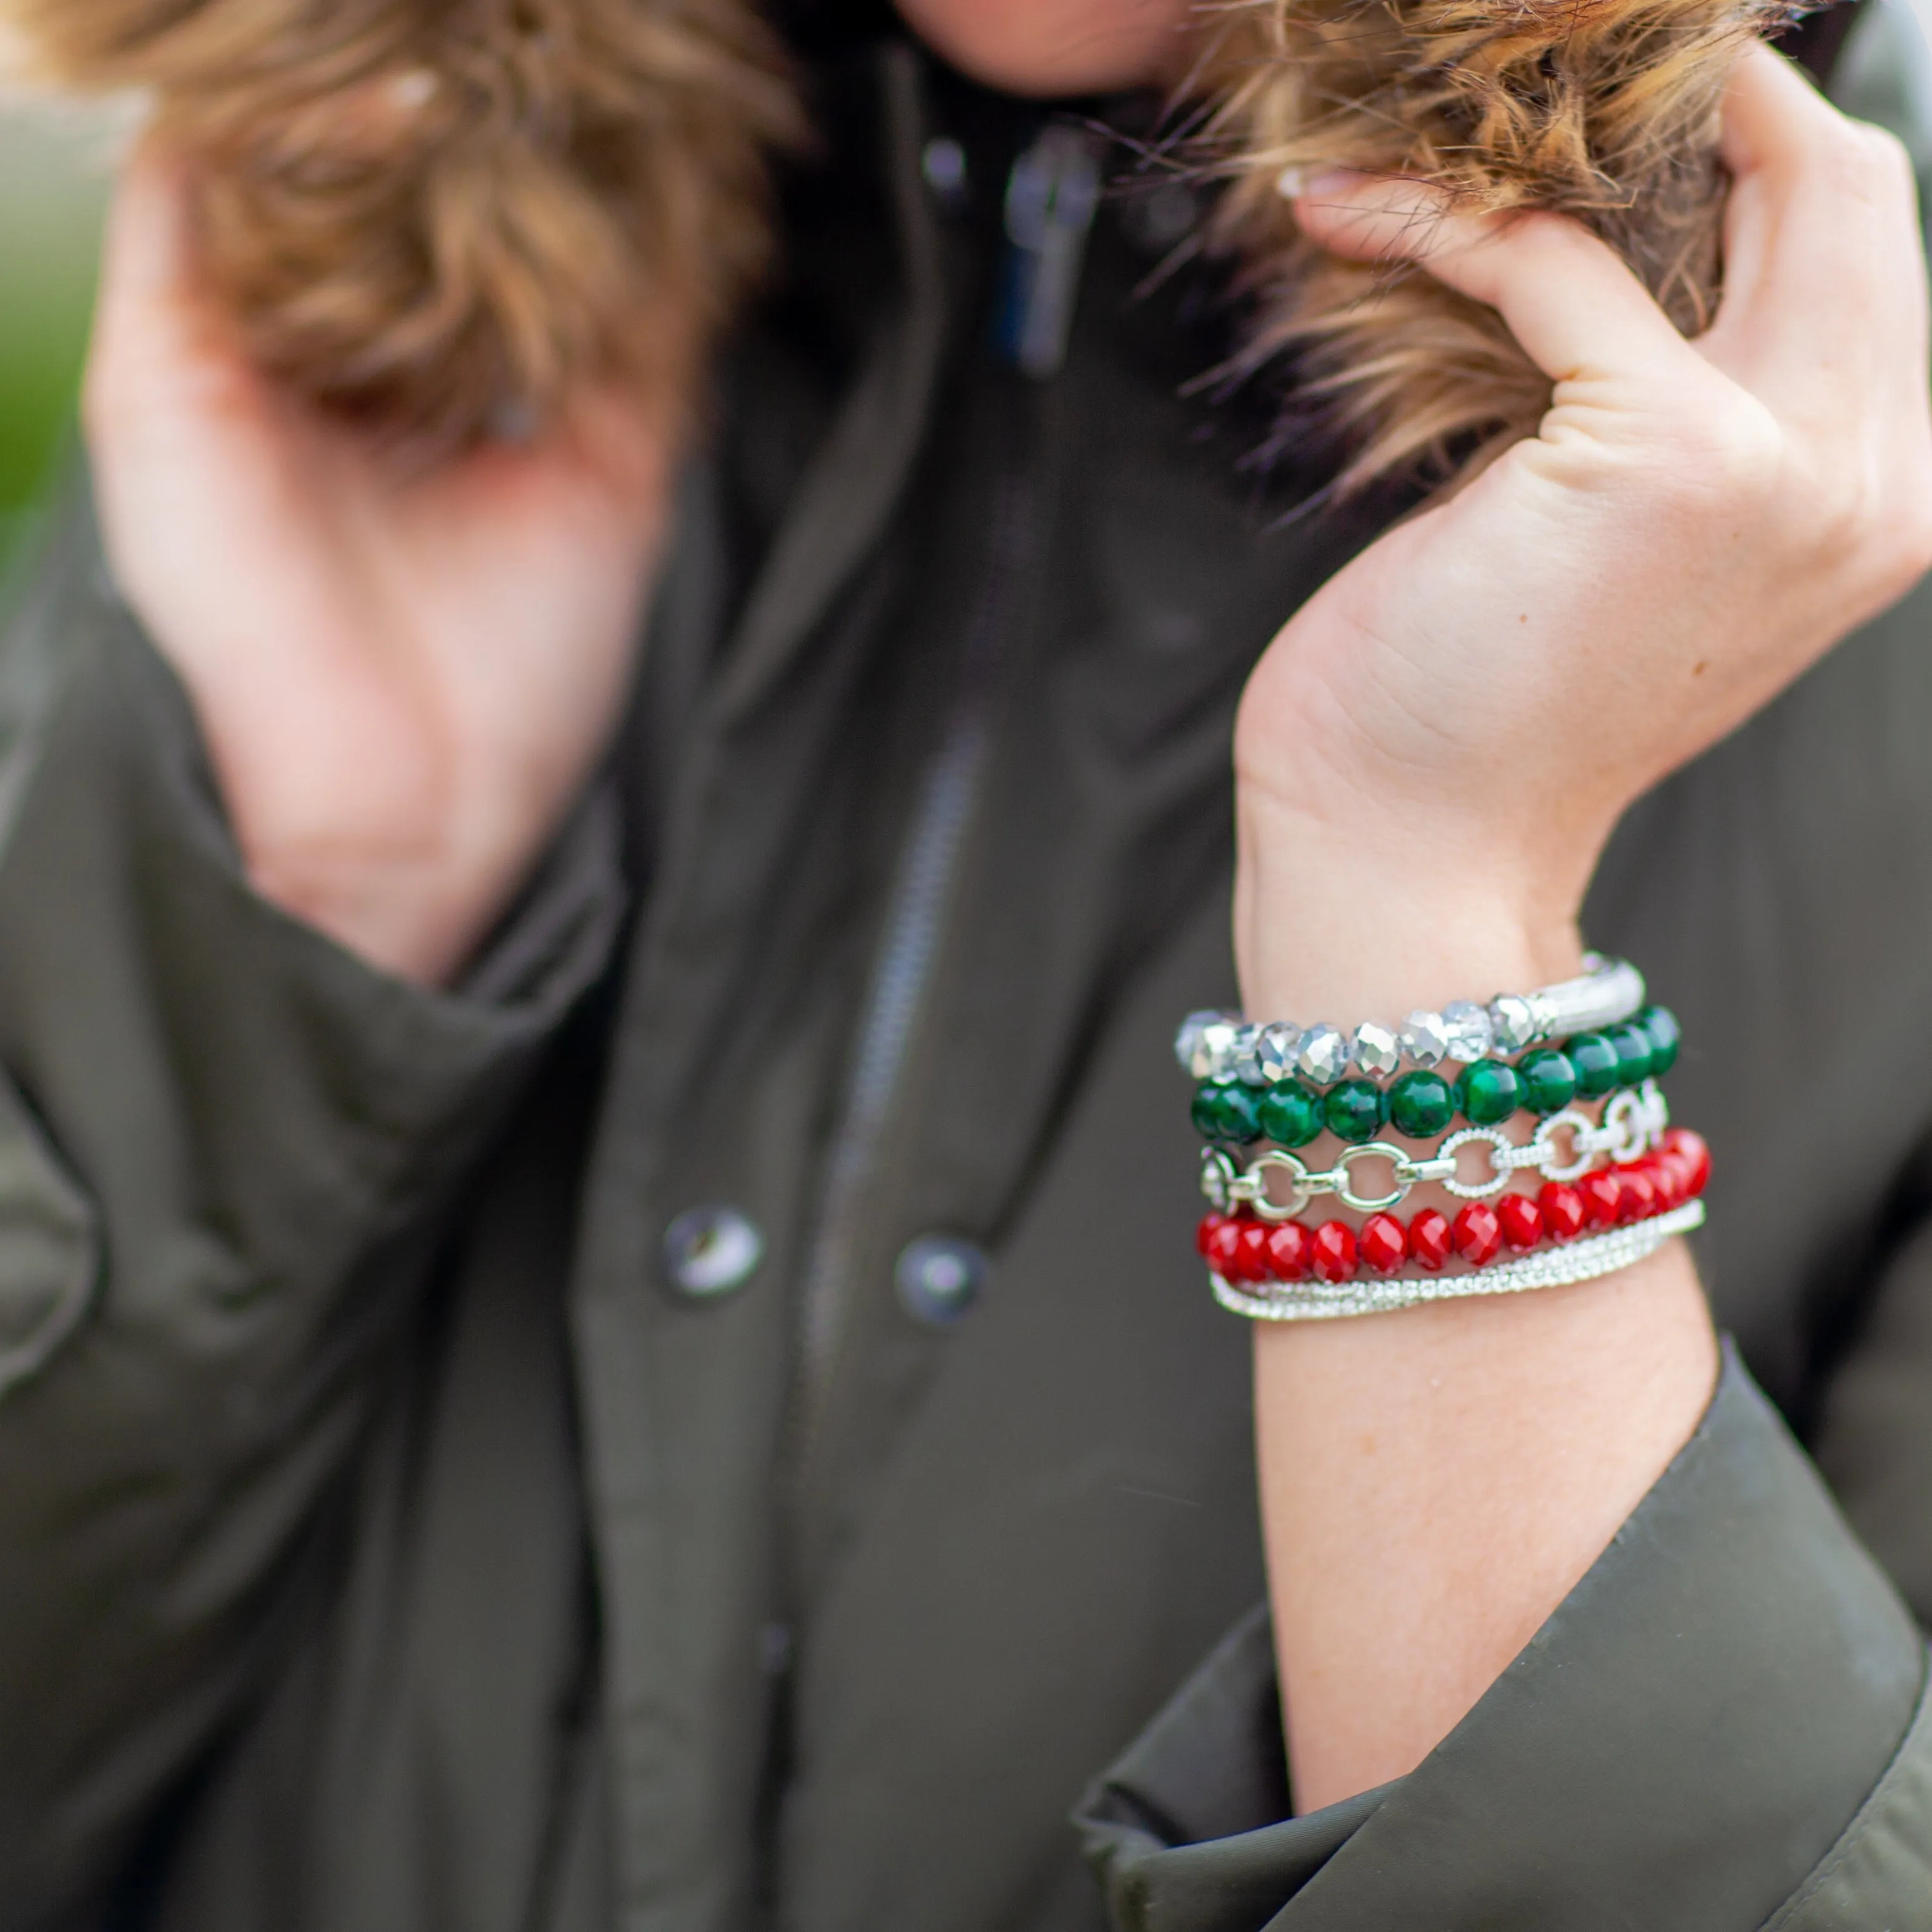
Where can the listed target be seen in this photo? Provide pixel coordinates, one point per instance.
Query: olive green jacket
(411, 1521)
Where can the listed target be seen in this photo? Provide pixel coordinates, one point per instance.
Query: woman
(607, 1333)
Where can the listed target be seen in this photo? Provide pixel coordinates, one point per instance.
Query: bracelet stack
(1615, 1188)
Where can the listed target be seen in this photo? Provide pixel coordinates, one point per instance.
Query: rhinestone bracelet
(1554, 1268)
(1221, 1046)
(1422, 1102)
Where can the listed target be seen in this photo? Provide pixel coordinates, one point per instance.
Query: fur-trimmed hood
(433, 216)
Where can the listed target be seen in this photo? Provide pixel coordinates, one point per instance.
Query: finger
(145, 257)
(143, 268)
(1775, 122)
(1578, 311)
(138, 274)
(153, 322)
(1824, 290)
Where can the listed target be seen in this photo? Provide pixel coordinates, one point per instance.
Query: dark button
(939, 1277)
(710, 1251)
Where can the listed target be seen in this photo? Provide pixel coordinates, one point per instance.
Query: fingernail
(1300, 184)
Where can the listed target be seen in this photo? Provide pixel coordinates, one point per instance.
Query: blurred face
(1054, 47)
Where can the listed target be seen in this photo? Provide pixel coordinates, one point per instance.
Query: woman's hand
(1430, 758)
(402, 684)
(1457, 721)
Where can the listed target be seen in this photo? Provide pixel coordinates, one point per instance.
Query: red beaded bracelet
(1242, 1248)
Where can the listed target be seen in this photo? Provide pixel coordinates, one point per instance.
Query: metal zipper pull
(1051, 196)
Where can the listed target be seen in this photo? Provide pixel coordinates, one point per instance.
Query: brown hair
(442, 217)
(1604, 109)
(434, 216)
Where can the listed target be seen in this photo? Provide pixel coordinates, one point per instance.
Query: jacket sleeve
(1722, 1728)
(225, 1148)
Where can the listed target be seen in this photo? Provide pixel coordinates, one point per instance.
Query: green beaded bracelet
(1421, 1105)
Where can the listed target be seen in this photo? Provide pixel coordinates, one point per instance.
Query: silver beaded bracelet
(1586, 1260)
(1223, 1046)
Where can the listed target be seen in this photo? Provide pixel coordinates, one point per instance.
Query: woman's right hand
(402, 684)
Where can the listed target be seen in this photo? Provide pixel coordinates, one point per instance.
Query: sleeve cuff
(193, 1055)
(1686, 1743)
(554, 936)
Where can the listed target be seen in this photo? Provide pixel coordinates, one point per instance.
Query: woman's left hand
(1429, 759)
(1465, 711)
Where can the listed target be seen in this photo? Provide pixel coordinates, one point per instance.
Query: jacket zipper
(903, 968)
(1051, 196)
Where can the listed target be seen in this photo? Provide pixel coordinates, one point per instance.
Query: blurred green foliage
(54, 169)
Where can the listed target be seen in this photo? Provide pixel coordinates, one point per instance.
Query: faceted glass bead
(1206, 1110)
(1522, 1221)
(1429, 1239)
(1288, 1251)
(1211, 1039)
(1666, 1038)
(1224, 1249)
(1333, 1252)
(1668, 1177)
(1689, 1148)
(1467, 1027)
(1602, 1193)
(1276, 1046)
(1563, 1211)
(1355, 1110)
(1640, 1199)
(1375, 1051)
(1187, 1041)
(1421, 1105)
(1246, 1069)
(1324, 1057)
(1633, 1057)
(1512, 1024)
(1549, 1081)
(1290, 1116)
(1383, 1244)
(1596, 1062)
(1203, 1235)
(1477, 1233)
(1488, 1093)
(1187, 1037)
(1425, 1039)
(1235, 1110)
(1251, 1254)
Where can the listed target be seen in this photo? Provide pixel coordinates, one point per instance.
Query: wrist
(1352, 913)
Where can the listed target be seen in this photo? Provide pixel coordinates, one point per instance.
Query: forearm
(1434, 1482)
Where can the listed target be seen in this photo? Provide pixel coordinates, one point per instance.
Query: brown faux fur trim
(440, 217)
(1604, 109)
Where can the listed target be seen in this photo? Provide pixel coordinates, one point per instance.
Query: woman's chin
(1048, 47)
